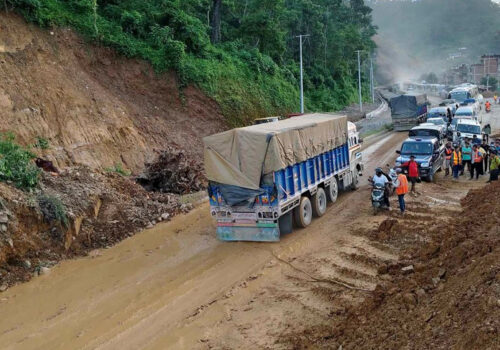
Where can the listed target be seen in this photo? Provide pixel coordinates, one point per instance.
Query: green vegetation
(41, 143)
(16, 163)
(53, 210)
(118, 168)
(243, 53)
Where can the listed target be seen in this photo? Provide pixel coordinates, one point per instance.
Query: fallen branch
(316, 279)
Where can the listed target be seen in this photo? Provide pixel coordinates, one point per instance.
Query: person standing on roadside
(475, 140)
(467, 157)
(456, 162)
(494, 165)
(477, 162)
(401, 185)
(486, 148)
(447, 158)
(412, 173)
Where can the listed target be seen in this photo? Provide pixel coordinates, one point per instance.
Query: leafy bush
(16, 163)
(53, 210)
(118, 168)
(41, 143)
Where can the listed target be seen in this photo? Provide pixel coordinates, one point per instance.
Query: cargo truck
(408, 110)
(266, 179)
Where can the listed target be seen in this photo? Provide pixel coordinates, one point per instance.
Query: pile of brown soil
(101, 210)
(443, 294)
(173, 172)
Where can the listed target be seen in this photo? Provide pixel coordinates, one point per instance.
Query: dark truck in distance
(408, 110)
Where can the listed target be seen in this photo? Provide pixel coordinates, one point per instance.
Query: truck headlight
(425, 164)
(398, 164)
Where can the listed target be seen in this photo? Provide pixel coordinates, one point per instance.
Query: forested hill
(243, 53)
(424, 33)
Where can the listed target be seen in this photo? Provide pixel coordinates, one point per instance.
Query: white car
(438, 122)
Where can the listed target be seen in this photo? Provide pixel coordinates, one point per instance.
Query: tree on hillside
(216, 21)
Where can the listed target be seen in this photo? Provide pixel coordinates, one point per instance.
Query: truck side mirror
(360, 140)
(398, 151)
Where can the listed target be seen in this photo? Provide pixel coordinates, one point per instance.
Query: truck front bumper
(255, 233)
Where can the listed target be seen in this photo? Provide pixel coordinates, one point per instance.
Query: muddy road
(176, 287)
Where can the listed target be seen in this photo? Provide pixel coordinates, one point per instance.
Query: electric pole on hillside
(301, 73)
(372, 83)
(359, 80)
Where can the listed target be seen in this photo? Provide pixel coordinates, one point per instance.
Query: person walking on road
(401, 185)
(494, 166)
(412, 173)
(456, 162)
(477, 162)
(447, 160)
(467, 157)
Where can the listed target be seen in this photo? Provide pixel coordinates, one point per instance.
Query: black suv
(428, 152)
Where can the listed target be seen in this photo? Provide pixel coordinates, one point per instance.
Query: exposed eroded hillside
(94, 107)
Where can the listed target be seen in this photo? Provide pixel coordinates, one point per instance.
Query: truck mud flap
(268, 233)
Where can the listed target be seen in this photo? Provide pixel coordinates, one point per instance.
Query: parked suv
(428, 152)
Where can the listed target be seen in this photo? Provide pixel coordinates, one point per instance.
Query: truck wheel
(319, 203)
(332, 191)
(430, 178)
(285, 223)
(355, 181)
(302, 214)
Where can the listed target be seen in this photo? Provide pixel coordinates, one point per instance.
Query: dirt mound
(173, 172)
(443, 294)
(94, 107)
(71, 214)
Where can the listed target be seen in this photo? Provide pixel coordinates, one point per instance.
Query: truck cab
(467, 128)
(428, 153)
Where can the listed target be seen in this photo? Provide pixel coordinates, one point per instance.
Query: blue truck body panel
(258, 221)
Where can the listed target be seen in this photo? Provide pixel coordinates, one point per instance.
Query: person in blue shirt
(467, 157)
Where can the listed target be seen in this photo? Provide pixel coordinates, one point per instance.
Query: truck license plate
(244, 216)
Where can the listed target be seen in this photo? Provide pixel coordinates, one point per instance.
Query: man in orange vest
(447, 161)
(477, 162)
(401, 185)
(456, 162)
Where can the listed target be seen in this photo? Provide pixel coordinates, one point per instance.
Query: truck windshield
(460, 96)
(470, 129)
(416, 148)
(464, 113)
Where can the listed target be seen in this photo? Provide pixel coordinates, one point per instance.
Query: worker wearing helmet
(383, 180)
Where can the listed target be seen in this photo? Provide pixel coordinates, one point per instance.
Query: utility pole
(359, 80)
(301, 73)
(372, 83)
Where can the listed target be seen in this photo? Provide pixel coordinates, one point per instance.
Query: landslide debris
(444, 293)
(173, 172)
(70, 214)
